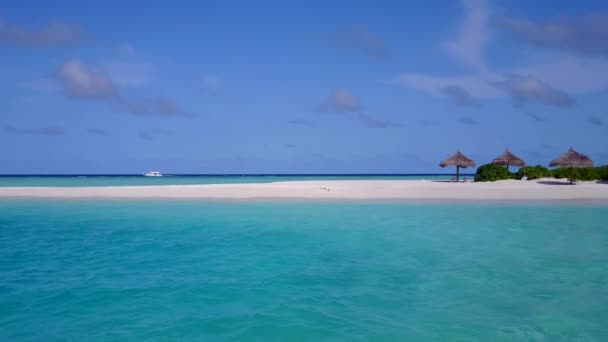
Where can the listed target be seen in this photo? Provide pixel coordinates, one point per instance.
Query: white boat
(153, 174)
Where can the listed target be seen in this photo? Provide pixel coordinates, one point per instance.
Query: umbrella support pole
(570, 174)
(457, 173)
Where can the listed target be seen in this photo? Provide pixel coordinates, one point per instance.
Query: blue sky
(298, 87)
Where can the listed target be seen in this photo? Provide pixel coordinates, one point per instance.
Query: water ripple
(105, 270)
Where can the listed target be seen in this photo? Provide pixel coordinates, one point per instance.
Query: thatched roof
(458, 159)
(507, 159)
(572, 159)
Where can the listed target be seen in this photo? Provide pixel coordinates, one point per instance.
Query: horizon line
(222, 174)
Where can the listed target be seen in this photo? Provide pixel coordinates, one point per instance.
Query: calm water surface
(138, 180)
(264, 271)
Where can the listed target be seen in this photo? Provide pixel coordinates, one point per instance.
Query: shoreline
(542, 190)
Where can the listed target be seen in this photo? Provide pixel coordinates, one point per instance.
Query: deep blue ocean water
(139, 180)
(302, 271)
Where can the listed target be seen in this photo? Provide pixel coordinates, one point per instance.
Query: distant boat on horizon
(153, 174)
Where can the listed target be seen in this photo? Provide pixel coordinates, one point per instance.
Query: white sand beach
(537, 190)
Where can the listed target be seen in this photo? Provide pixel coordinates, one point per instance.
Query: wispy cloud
(524, 89)
(128, 72)
(166, 106)
(127, 68)
(345, 104)
(133, 106)
(429, 122)
(467, 46)
(56, 34)
(459, 95)
(553, 79)
(369, 121)
(596, 120)
(340, 101)
(584, 35)
(50, 131)
(360, 39)
(161, 106)
(467, 120)
(126, 50)
(209, 84)
(477, 85)
(565, 73)
(301, 122)
(97, 131)
(537, 118)
(78, 80)
(153, 134)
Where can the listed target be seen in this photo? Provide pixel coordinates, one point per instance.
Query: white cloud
(459, 95)
(525, 89)
(340, 101)
(79, 80)
(569, 74)
(128, 72)
(582, 35)
(209, 84)
(56, 34)
(468, 45)
(478, 85)
(127, 69)
(166, 106)
(360, 39)
(558, 74)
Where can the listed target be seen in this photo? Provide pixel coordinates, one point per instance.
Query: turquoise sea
(302, 271)
(139, 180)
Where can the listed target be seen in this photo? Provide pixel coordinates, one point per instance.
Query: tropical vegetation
(492, 172)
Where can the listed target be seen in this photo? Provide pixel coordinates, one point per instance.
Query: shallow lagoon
(194, 270)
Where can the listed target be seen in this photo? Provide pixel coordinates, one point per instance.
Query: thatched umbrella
(507, 159)
(572, 159)
(459, 160)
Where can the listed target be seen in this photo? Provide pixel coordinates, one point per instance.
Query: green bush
(582, 173)
(602, 172)
(533, 172)
(589, 173)
(565, 173)
(491, 173)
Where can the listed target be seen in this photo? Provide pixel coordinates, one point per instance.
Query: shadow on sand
(449, 181)
(554, 182)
